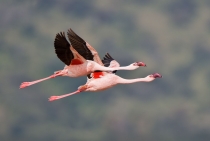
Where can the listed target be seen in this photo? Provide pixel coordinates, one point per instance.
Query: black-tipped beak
(141, 64)
(157, 75)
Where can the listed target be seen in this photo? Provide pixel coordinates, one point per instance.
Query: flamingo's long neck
(124, 68)
(128, 81)
(92, 66)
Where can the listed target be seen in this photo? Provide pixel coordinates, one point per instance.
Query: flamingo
(103, 81)
(99, 81)
(80, 58)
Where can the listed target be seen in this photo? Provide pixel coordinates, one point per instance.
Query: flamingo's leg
(80, 89)
(57, 73)
(52, 98)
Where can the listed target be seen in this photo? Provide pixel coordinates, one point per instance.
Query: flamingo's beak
(141, 64)
(157, 75)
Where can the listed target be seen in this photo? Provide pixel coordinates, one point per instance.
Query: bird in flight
(101, 80)
(80, 58)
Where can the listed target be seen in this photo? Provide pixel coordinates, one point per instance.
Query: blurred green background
(171, 36)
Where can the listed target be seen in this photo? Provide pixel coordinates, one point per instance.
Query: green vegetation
(171, 36)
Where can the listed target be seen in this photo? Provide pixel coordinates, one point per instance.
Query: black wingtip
(62, 49)
(107, 59)
(72, 35)
(79, 45)
(108, 56)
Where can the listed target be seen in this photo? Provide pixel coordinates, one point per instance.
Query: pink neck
(124, 68)
(128, 81)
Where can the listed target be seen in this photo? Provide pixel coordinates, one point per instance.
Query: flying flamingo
(103, 80)
(80, 58)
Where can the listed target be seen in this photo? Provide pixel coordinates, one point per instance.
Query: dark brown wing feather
(79, 45)
(62, 48)
(107, 59)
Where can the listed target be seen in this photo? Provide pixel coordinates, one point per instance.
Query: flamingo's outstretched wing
(83, 48)
(79, 45)
(108, 61)
(62, 48)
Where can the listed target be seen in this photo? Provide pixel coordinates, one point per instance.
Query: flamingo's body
(80, 58)
(105, 81)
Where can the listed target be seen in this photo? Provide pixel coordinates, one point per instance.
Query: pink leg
(26, 84)
(52, 98)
